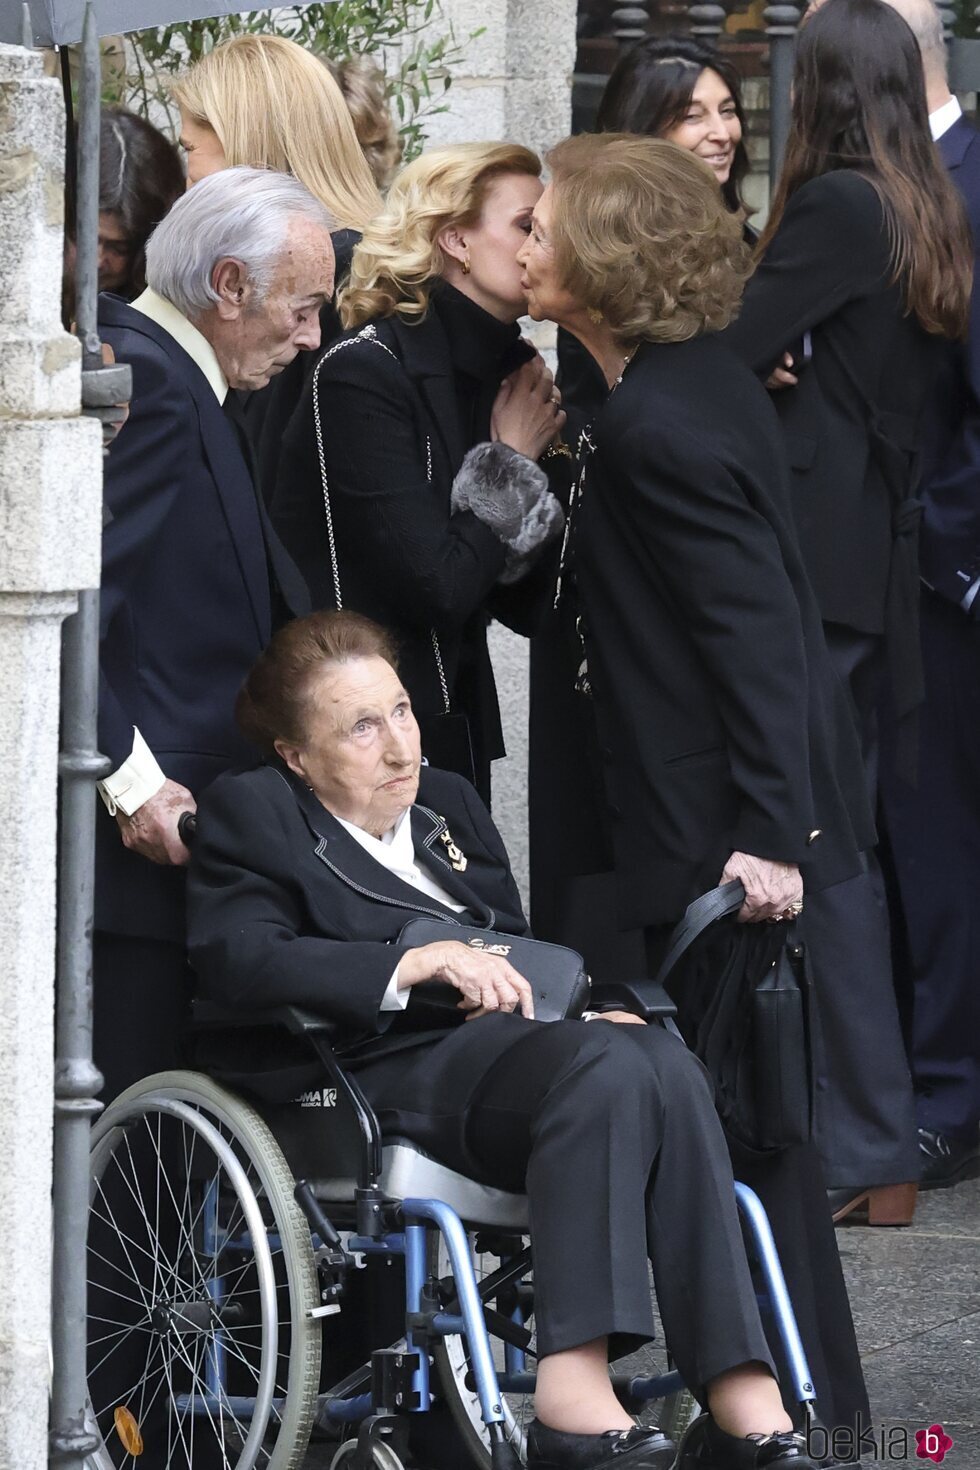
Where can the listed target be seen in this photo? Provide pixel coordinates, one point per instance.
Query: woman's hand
(783, 375)
(486, 982)
(624, 1018)
(770, 887)
(527, 412)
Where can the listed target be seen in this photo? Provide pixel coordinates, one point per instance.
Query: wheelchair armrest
(317, 1031)
(643, 997)
(291, 1018)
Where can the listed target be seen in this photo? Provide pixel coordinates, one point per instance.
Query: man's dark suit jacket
(186, 602)
(284, 906)
(828, 272)
(950, 540)
(721, 724)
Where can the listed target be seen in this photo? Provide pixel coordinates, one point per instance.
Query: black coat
(828, 272)
(187, 604)
(404, 560)
(950, 540)
(284, 906)
(720, 722)
(270, 410)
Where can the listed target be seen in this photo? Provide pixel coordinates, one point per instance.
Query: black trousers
(865, 1114)
(612, 1132)
(141, 996)
(934, 831)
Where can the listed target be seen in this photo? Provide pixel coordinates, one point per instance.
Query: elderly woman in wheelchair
(304, 873)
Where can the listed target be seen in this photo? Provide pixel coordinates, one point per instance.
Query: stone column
(50, 534)
(514, 82)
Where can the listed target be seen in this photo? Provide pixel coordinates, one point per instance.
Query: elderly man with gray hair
(194, 578)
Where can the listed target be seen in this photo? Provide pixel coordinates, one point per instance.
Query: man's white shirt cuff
(393, 998)
(136, 780)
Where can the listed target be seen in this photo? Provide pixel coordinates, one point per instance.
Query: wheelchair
(260, 1272)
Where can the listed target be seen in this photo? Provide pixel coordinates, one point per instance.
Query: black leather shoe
(617, 1449)
(706, 1447)
(947, 1161)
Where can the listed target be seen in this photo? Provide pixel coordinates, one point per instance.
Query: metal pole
(781, 22)
(76, 1079)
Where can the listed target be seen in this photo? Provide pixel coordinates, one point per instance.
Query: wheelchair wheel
(452, 1364)
(673, 1414)
(203, 1351)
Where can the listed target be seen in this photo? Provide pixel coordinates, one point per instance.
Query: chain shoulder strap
(366, 334)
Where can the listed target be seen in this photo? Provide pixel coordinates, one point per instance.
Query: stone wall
(50, 536)
(515, 82)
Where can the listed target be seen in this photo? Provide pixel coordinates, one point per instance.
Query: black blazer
(269, 411)
(285, 907)
(404, 560)
(720, 723)
(186, 604)
(950, 540)
(827, 272)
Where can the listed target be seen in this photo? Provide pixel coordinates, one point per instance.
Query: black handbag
(743, 998)
(556, 975)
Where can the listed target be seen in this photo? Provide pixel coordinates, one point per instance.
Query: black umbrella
(59, 22)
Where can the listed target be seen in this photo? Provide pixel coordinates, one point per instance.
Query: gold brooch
(455, 854)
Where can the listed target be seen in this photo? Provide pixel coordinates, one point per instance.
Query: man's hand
(770, 887)
(486, 982)
(152, 830)
(624, 1018)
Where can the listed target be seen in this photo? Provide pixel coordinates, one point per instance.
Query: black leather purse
(743, 997)
(556, 975)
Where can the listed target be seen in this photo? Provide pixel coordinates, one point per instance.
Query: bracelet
(558, 450)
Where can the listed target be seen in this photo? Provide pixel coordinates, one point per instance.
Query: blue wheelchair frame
(399, 1377)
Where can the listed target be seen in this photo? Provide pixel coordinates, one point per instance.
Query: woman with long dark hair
(864, 266)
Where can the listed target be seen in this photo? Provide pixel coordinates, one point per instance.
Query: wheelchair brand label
(501, 949)
(320, 1097)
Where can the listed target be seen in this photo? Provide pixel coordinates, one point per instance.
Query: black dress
(397, 421)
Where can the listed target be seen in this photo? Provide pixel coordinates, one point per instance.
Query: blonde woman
(426, 422)
(266, 102)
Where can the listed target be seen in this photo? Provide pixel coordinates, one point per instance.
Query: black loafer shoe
(617, 1449)
(947, 1161)
(706, 1447)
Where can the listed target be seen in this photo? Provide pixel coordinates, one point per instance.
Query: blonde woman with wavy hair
(425, 424)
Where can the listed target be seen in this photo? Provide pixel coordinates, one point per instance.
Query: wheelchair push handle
(187, 828)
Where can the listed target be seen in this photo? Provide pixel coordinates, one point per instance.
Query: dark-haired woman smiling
(866, 260)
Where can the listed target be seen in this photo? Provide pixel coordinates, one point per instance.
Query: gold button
(817, 832)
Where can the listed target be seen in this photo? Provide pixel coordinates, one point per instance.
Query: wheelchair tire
(673, 1414)
(452, 1364)
(173, 1151)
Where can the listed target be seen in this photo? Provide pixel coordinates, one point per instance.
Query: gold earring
(595, 315)
(466, 267)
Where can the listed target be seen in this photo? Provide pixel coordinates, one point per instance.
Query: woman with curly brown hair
(726, 744)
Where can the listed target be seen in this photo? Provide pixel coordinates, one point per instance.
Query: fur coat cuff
(509, 493)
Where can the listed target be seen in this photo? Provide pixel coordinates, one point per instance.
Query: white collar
(395, 849)
(944, 117)
(186, 335)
